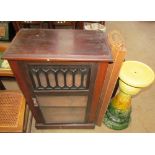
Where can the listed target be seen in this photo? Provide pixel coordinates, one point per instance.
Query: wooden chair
(12, 107)
(53, 24)
(5, 73)
(116, 43)
(43, 24)
(62, 24)
(71, 24)
(14, 113)
(27, 24)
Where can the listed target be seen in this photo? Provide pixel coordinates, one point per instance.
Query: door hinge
(35, 102)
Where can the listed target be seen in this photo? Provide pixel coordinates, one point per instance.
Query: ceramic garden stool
(133, 77)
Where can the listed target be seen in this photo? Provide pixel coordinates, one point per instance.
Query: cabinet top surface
(59, 44)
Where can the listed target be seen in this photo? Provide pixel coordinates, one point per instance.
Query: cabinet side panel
(101, 72)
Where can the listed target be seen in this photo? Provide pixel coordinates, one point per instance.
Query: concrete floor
(140, 43)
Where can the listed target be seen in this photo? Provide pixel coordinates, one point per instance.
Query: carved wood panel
(60, 77)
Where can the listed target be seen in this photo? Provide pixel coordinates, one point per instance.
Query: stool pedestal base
(118, 113)
(115, 122)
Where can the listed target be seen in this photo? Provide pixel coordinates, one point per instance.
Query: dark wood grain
(65, 126)
(59, 45)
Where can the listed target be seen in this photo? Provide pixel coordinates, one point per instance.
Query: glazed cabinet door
(62, 92)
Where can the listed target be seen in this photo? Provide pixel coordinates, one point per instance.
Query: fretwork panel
(60, 77)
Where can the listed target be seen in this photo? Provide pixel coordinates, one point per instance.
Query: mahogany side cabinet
(61, 74)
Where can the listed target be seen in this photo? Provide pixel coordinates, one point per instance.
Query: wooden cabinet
(61, 74)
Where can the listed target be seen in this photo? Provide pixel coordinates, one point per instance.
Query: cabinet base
(65, 126)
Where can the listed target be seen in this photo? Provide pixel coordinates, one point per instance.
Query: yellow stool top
(136, 74)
